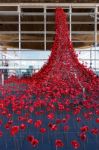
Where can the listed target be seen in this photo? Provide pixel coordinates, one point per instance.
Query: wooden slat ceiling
(49, 1)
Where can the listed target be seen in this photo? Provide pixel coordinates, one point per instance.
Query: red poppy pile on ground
(62, 86)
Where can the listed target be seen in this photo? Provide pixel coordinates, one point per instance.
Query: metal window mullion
(19, 11)
(45, 28)
(70, 19)
(96, 10)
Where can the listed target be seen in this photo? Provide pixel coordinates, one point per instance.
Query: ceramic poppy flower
(30, 121)
(75, 144)
(39, 112)
(97, 120)
(22, 126)
(58, 121)
(61, 107)
(21, 118)
(97, 112)
(4, 112)
(7, 126)
(76, 111)
(83, 136)
(30, 138)
(0, 122)
(34, 142)
(67, 102)
(14, 130)
(37, 123)
(1, 105)
(51, 116)
(67, 109)
(66, 128)
(67, 116)
(9, 115)
(42, 130)
(84, 128)
(31, 109)
(54, 127)
(50, 125)
(78, 119)
(64, 120)
(10, 122)
(95, 131)
(1, 133)
(59, 143)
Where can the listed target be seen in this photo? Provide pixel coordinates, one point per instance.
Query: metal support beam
(96, 34)
(2, 78)
(19, 11)
(70, 17)
(45, 28)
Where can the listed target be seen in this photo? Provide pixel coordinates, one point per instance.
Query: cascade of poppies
(59, 23)
(63, 73)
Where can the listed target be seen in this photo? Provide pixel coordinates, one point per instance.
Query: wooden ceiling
(12, 39)
(49, 1)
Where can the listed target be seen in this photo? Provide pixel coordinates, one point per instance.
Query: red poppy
(59, 143)
(67, 116)
(43, 130)
(30, 121)
(34, 142)
(54, 127)
(76, 111)
(66, 128)
(64, 120)
(67, 102)
(95, 131)
(78, 119)
(84, 128)
(38, 123)
(61, 107)
(97, 120)
(31, 109)
(1, 133)
(39, 112)
(10, 122)
(22, 126)
(58, 121)
(9, 115)
(97, 112)
(14, 130)
(51, 116)
(83, 136)
(0, 121)
(50, 125)
(7, 126)
(29, 138)
(75, 144)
